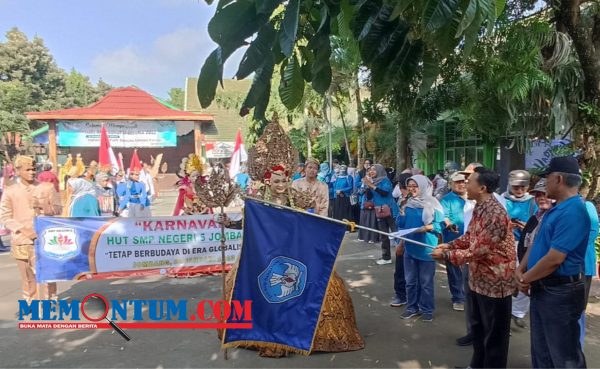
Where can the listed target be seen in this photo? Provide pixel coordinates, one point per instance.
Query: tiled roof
(129, 103)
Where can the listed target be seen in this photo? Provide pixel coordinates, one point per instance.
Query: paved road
(390, 341)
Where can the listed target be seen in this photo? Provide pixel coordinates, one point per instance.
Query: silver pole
(338, 221)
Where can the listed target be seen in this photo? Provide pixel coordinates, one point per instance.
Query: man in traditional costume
(270, 162)
(21, 202)
(311, 183)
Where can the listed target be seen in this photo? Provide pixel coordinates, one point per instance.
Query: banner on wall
(120, 133)
(85, 248)
(219, 150)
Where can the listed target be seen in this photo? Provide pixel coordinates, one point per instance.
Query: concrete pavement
(390, 341)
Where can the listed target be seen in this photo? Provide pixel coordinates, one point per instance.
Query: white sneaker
(383, 262)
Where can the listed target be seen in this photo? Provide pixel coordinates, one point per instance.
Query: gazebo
(134, 119)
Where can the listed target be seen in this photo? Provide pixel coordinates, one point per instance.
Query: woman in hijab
(326, 176)
(385, 209)
(367, 208)
(424, 212)
(105, 194)
(342, 187)
(83, 198)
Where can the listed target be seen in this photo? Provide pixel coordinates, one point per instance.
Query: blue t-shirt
(85, 206)
(590, 252)
(413, 218)
(378, 200)
(565, 228)
(242, 180)
(521, 211)
(343, 184)
(454, 211)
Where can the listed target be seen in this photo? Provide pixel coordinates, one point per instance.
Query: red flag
(135, 162)
(106, 156)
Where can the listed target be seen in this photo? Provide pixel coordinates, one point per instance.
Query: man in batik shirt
(488, 247)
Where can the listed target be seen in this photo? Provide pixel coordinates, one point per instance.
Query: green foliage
(390, 36)
(507, 86)
(79, 90)
(291, 87)
(176, 98)
(30, 80)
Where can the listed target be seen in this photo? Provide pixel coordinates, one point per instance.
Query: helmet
(519, 178)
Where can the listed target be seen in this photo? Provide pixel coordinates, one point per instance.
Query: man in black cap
(552, 271)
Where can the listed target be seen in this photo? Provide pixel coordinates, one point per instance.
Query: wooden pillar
(52, 149)
(197, 138)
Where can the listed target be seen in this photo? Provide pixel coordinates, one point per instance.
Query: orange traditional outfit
(20, 204)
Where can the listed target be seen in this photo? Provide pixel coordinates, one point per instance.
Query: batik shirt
(489, 248)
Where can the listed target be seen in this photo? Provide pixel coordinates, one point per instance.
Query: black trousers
(386, 225)
(468, 301)
(490, 324)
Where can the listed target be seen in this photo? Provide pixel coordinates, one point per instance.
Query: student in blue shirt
(520, 206)
(379, 192)
(133, 196)
(453, 227)
(590, 256)
(422, 211)
(342, 188)
(326, 175)
(242, 178)
(84, 202)
(552, 271)
(299, 172)
(367, 213)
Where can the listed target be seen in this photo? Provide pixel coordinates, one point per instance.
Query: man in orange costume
(21, 202)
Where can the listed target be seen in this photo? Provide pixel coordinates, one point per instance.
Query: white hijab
(80, 188)
(425, 199)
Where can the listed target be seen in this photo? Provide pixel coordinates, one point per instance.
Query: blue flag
(286, 261)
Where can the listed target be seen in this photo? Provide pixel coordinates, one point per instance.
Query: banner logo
(283, 280)
(60, 243)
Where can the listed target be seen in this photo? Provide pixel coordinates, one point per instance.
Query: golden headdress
(274, 152)
(274, 148)
(190, 164)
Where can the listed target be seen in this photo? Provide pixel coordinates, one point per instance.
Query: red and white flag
(239, 155)
(106, 155)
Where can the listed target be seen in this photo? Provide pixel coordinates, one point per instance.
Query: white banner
(120, 133)
(70, 248)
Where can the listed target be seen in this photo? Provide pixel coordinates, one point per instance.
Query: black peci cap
(563, 164)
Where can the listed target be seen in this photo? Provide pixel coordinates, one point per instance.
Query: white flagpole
(338, 221)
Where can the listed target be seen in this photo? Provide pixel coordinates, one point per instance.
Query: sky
(152, 44)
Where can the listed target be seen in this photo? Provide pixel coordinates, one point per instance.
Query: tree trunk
(345, 134)
(308, 141)
(587, 45)
(401, 146)
(362, 140)
(328, 124)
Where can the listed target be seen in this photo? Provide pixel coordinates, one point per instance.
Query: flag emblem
(60, 243)
(284, 279)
